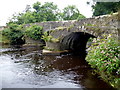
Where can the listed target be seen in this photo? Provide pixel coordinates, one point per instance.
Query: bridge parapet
(95, 25)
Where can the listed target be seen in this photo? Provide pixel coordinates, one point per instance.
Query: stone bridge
(74, 34)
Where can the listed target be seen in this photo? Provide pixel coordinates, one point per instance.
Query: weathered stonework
(30, 41)
(97, 26)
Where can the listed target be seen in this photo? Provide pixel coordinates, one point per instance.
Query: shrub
(46, 36)
(14, 34)
(49, 38)
(104, 56)
(34, 32)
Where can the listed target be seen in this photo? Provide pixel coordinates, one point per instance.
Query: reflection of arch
(76, 41)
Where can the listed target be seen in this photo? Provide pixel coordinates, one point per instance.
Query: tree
(37, 6)
(71, 13)
(23, 18)
(28, 7)
(102, 8)
(45, 12)
(14, 33)
(50, 11)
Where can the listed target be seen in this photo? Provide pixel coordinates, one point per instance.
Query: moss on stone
(90, 24)
(60, 28)
(49, 38)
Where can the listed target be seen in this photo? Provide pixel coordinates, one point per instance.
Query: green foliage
(34, 32)
(46, 36)
(0, 37)
(102, 8)
(80, 17)
(23, 18)
(36, 6)
(71, 13)
(26, 18)
(14, 34)
(6, 32)
(4, 40)
(49, 38)
(45, 12)
(104, 56)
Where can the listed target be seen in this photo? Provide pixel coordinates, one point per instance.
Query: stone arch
(76, 42)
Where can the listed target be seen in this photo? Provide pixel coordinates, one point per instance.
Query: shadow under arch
(76, 42)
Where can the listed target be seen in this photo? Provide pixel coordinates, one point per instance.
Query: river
(27, 67)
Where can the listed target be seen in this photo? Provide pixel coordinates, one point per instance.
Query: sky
(10, 7)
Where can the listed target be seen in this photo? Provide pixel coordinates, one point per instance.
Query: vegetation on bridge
(49, 38)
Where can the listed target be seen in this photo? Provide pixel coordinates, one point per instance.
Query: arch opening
(76, 42)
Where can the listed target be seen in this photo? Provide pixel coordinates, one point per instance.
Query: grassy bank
(104, 57)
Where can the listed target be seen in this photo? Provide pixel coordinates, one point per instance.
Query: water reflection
(30, 68)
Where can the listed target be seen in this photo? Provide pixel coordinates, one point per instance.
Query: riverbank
(103, 56)
(3, 39)
(27, 68)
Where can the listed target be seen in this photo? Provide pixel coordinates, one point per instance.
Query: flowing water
(27, 67)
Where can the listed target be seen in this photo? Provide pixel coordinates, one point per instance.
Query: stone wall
(95, 25)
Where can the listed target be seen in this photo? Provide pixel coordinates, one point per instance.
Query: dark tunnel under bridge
(76, 42)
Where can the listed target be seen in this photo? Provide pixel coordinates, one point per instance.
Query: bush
(46, 36)
(14, 34)
(104, 56)
(49, 38)
(35, 32)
